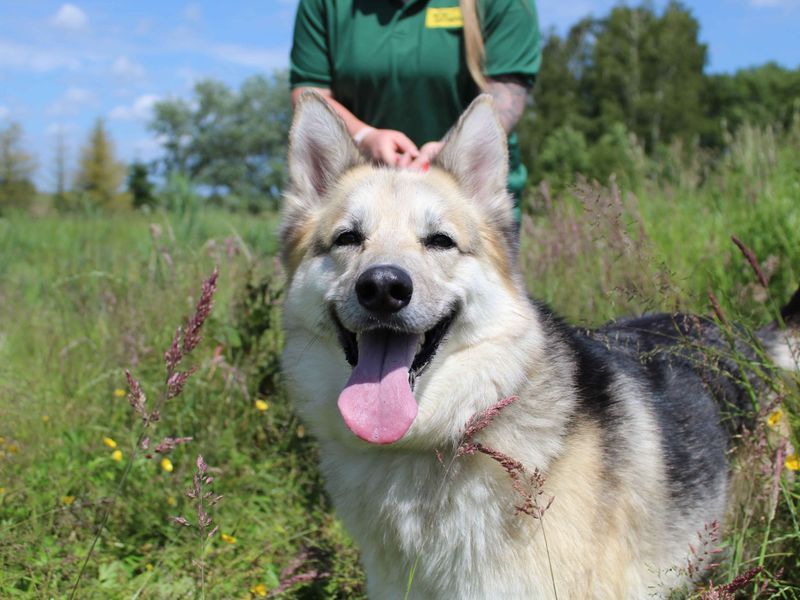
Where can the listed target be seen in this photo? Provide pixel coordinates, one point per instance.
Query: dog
(405, 317)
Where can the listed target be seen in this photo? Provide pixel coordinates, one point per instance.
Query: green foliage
(99, 175)
(230, 142)
(761, 96)
(633, 82)
(16, 169)
(140, 187)
(564, 154)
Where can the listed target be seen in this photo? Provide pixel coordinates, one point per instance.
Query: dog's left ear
(475, 152)
(320, 149)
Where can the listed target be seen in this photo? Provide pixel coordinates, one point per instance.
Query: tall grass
(84, 296)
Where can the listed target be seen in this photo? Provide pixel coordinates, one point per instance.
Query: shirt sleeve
(511, 38)
(310, 61)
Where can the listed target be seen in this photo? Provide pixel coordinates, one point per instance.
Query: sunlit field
(85, 296)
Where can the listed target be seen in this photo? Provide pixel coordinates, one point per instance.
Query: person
(400, 72)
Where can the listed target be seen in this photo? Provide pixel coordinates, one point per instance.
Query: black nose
(384, 289)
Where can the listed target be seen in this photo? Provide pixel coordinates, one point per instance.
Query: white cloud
(71, 102)
(192, 12)
(56, 129)
(149, 148)
(32, 58)
(259, 58)
(4, 112)
(69, 17)
(126, 68)
(141, 109)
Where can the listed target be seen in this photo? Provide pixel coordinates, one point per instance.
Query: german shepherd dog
(406, 316)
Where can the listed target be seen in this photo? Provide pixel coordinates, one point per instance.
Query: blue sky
(62, 65)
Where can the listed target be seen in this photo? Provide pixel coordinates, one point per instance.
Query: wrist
(361, 134)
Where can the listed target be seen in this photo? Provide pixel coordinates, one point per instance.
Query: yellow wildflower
(261, 405)
(109, 442)
(148, 567)
(166, 464)
(775, 417)
(259, 590)
(228, 538)
(120, 393)
(116, 455)
(13, 448)
(793, 462)
(45, 418)
(2, 491)
(301, 431)
(67, 500)
(171, 501)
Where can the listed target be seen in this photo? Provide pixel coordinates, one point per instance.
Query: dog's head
(390, 269)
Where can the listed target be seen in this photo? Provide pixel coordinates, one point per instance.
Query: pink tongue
(377, 404)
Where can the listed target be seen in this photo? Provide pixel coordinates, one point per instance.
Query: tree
(635, 73)
(648, 73)
(765, 95)
(16, 170)
(558, 98)
(232, 142)
(60, 170)
(139, 186)
(99, 174)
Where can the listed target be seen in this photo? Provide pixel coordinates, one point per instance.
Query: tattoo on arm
(510, 94)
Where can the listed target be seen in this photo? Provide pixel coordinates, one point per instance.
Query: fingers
(407, 149)
(389, 147)
(426, 155)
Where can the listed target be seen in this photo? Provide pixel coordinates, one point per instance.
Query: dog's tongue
(377, 404)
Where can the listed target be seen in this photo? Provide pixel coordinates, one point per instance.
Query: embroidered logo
(444, 18)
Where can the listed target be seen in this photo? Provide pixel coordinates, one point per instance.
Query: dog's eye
(440, 241)
(348, 238)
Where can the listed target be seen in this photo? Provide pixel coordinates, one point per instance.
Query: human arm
(385, 146)
(510, 93)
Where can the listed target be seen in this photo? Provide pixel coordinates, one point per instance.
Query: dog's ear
(475, 152)
(320, 149)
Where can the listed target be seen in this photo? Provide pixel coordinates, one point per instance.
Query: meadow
(84, 296)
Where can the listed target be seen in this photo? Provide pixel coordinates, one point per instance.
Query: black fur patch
(689, 377)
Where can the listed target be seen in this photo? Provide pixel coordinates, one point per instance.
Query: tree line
(633, 82)
(613, 93)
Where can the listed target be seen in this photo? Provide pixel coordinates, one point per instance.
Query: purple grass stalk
(198, 494)
(174, 384)
(526, 484)
(717, 308)
(751, 258)
(168, 444)
(481, 420)
(727, 591)
(191, 337)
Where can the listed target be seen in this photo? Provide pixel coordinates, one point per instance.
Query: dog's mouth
(428, 343)
(377, 403)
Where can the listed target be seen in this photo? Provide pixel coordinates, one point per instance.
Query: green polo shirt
(402, 66)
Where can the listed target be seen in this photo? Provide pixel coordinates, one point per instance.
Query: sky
(63, 65)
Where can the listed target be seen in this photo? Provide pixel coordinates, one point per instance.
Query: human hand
(426, 155)
(389, 147)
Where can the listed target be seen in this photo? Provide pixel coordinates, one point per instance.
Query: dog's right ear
(320, 149)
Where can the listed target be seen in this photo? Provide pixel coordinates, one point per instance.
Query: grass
(82, 297)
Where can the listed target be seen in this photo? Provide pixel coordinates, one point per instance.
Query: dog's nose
(384, 289)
